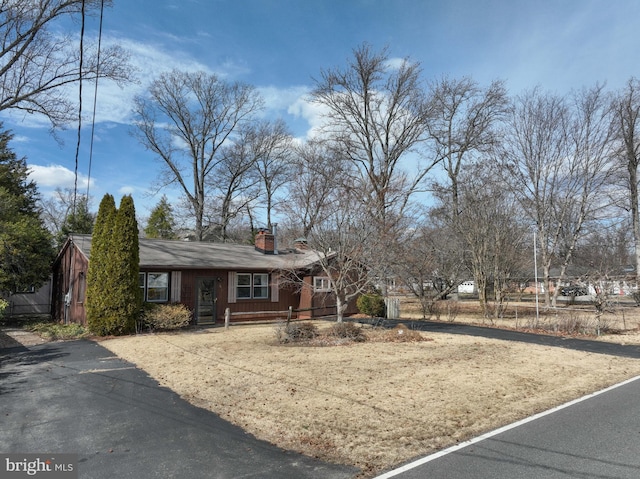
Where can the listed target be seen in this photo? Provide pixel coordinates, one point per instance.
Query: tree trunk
(340, 307)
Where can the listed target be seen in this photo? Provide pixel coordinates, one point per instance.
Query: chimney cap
(300, 243)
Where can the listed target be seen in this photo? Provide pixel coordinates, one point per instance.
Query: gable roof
(171, 254)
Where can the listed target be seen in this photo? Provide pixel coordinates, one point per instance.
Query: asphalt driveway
(76, 397)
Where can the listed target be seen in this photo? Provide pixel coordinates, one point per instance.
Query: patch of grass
(55, 331)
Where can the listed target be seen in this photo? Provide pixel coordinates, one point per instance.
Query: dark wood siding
(69, 275)
(71, 269)
(263, 308)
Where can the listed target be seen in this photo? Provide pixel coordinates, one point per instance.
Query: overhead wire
(80, 75)
(95, 98)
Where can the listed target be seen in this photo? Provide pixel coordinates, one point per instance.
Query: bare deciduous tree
(342, 237)
(558, 160)
(344, 244)
(429, 262)
(272, 146)
(491, 234)
(36, 61)
(376, 116)
(315, 172)
(234, 187)
(462, 125)
(186, 119)
(627, 112)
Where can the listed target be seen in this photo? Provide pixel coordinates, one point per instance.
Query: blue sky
(279, 46)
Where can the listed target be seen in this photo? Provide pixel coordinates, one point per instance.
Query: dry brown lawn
(372, 404)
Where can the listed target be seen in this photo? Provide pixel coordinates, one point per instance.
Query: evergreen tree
(79, 221)
(26, 248)
(126, 298)
(161, 222)
(113, 293)
(97, 300)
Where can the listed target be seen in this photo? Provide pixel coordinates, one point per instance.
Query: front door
(206, 304)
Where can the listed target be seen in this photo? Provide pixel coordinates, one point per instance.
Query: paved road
(76, 397)
(598, 438)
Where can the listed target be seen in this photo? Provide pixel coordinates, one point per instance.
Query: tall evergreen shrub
(125, 296)
(97, 302)
(113, 293)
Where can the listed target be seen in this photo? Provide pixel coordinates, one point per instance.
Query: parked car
(574, 291)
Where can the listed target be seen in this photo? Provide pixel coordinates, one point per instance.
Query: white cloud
(394, 63)
(126, 190)
(282, 98)
(57, 176)
(312, 113)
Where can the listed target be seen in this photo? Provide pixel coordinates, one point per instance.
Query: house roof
(156, 253)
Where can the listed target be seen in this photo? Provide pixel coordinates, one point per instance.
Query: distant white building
(467, 287)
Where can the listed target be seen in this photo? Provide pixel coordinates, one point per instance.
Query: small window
(252, 285)
(321, 284)
(157, 287)
(82, 286)
(28, 290)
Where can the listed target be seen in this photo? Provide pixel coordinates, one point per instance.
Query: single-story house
(206, 277)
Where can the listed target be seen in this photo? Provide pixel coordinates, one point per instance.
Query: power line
(95, 98)
(75, 183)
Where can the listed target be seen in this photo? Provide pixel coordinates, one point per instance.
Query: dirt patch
(372, 404)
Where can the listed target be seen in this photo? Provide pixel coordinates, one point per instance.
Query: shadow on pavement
(12, 359)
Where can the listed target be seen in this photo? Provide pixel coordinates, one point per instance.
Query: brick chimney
(265, 242)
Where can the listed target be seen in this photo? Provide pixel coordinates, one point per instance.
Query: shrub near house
(371, 304)
(166, 317)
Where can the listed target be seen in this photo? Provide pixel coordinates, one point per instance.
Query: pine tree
(26, 248)
(97, 301)
(79, 221)
(161, 222)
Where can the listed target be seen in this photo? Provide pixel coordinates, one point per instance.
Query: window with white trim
(321, 284)
(252, 285)
(154, 286)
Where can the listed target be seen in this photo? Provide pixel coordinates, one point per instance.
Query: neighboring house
(35, 302)
(206, 277)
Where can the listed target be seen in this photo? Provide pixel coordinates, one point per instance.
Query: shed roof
(156, 253)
